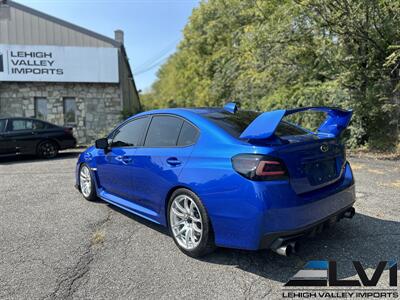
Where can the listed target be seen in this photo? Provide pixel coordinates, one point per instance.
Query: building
(63, 73)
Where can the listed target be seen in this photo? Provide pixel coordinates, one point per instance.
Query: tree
(290, 53)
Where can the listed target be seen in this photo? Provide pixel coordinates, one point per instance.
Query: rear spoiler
(265, 125)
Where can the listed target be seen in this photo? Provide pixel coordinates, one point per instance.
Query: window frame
(146, 129)
(180, 130)
(64, 99)
(35, 106)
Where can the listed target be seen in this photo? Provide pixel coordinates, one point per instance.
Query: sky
(152, 28)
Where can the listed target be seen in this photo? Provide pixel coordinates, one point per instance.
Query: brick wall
(98, 105)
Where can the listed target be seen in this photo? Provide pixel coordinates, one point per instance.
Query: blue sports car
(224, 176)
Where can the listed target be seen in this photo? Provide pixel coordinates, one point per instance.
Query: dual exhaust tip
(349, 213)
(287, 249)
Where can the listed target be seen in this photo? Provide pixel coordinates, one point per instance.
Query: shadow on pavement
(32, 158)
(152, 225)
(363, 238)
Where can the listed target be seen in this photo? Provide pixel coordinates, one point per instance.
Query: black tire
(206, 244)
(47, 149)
(92, 195)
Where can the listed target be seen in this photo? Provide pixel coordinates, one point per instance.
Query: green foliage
(126, 113)
(291, 53)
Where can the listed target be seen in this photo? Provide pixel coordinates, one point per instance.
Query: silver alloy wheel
(186, 222)
(85, 181)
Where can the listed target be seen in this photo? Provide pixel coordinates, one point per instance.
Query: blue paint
(241, 211)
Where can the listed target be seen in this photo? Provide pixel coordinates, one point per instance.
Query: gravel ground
(56, 245)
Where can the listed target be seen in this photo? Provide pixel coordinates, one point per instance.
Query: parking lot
(56, 245)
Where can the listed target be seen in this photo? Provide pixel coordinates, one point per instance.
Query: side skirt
(129, 206)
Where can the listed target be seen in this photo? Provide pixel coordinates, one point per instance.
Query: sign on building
(58, 64)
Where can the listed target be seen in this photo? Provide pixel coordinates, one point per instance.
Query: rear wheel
(86, 183)
(47, 149)
(189, 224)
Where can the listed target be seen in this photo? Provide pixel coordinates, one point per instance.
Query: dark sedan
(20, 136)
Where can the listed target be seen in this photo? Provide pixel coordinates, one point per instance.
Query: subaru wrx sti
(224, 176)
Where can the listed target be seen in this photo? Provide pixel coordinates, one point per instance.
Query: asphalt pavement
(56, 245)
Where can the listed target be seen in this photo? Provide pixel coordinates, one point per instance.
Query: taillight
(259, 167)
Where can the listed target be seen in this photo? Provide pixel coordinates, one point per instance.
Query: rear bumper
(277, 238)
(253, 217)
(295, 218)
(67, 143)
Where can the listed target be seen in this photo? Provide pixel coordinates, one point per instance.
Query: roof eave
(64, 23)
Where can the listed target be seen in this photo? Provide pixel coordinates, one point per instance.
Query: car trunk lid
(312, 164)
(313, 160)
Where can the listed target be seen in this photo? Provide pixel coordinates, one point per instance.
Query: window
(236, 123)
(286, 129)
(3, 125)
(41, 108)
(20, 124)
(188, 135)
(37, 125)
(163, 132)
(69, 110)
(129, 135)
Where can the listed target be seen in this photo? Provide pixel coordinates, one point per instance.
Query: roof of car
(196, 110)
(24, 118)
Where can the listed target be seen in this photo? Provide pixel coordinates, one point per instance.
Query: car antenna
(232, 107)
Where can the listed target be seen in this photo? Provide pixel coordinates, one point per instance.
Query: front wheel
(189, 224)
(86, 183)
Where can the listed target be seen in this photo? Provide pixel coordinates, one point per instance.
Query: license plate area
(321, 172)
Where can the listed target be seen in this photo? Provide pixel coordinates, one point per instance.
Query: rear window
(288, 129)
(236, 123)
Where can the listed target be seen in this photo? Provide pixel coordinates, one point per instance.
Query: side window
(129, 134)
(163, 132)
(18, 125)
(188, 135)
(37, 125)
(3, 125)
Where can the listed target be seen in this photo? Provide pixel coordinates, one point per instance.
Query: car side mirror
(101, 143)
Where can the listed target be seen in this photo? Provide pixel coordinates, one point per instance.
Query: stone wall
(99, 105)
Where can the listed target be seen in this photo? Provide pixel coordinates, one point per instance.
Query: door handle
(173, 161)
(124, 159)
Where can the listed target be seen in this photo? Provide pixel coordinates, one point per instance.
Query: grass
(375, 171)
(385, 155)
(356, 166)
(98, 237)
(393, 184)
